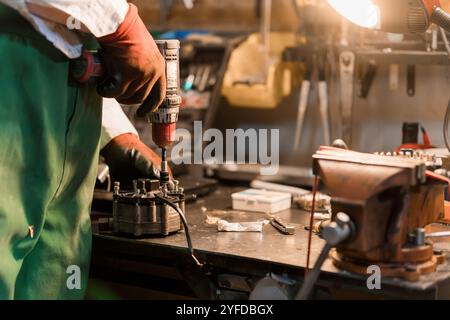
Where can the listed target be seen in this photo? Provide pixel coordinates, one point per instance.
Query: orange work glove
(136, 68)
(129, 159)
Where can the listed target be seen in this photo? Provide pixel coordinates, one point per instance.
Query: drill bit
(164, 175)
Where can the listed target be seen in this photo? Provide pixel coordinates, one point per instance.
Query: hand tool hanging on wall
(303, 102)
(315, 61)
(316, 55)
(394, 76)
(411, 80)
(323, 102)
(368, 73)
(166, 9)
(189, 4)
(347, 72)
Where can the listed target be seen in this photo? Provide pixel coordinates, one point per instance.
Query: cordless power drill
(164, 120)
(89, 68)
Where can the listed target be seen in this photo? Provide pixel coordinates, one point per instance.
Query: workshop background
(379, 208)
(376, 120)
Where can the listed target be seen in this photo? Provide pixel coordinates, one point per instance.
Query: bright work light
(396, 16)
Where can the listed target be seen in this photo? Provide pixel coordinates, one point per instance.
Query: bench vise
(390, 200)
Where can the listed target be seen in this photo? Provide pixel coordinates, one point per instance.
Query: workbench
(162, 268)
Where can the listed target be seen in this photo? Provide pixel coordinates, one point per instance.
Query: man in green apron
(49, 138)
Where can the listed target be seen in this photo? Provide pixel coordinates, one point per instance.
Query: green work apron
(49, 137)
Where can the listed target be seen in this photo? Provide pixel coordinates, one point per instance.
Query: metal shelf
(404, 57)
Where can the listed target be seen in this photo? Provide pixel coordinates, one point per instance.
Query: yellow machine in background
(255, 79)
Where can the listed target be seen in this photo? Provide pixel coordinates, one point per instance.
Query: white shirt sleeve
(101, 17)
(114, 122)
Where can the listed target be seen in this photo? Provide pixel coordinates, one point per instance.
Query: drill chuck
(163, 134)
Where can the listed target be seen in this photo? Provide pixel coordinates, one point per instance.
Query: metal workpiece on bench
(282, 226)
(141, 213)
(249, 256)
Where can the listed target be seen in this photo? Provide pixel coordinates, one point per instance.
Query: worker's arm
(114, 122)
(55, 15)
(134, 64)
(99, 17)
(127, 156)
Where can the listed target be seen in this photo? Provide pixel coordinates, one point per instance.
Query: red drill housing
(163, 134)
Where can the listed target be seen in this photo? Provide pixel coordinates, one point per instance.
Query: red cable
(311, 223)
(425, 138)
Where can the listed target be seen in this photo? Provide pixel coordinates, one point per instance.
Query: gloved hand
(136, 68)
(129, 159)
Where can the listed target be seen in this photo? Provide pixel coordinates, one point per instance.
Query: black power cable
(185, 225)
